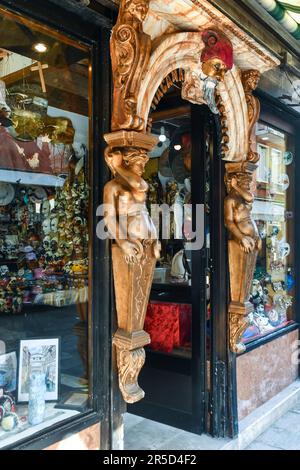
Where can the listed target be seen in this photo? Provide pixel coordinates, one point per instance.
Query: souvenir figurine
(262, 322)
(274, 317)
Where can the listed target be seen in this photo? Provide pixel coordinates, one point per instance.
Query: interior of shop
(44, 227)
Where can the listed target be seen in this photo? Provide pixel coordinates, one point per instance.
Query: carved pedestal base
(130, 362)
(238, 318)
(132, 288)
(241, 267)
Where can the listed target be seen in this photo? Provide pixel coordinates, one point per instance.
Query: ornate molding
(130, 51)
(243, 246)
(250, 80)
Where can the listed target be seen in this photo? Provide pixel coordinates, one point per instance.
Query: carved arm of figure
(247, 243)
(132, 249)
(238, 219)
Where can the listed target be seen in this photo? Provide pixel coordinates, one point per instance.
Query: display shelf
(24, 430)
(31, 178)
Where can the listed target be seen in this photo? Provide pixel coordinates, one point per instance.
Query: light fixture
(265, 138)
(162, 136)
(177, 147)
(40, 47)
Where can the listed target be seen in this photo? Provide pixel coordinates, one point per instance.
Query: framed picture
(8, 371)
(39, 354)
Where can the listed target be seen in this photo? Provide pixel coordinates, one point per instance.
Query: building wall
(87, 439)
(265, 371)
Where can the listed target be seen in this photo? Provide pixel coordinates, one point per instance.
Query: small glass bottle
(37, 390)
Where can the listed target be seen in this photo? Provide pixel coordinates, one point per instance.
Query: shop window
(273, 285)
(44, 194)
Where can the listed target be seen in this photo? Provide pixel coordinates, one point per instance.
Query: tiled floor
(283, 435)
(143, 434)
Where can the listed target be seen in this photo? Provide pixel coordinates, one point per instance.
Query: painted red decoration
(217, 46)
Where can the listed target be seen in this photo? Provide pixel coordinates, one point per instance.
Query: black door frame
(92, 30)
(212, 391)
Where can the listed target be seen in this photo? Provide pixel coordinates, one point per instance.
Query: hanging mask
(284, 250)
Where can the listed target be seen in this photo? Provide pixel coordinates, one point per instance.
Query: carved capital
(130, 363)
(250, 80)
(130, 53)
(238, 323)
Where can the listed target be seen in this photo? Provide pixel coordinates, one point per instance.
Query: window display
(273, 284)
(44, 199)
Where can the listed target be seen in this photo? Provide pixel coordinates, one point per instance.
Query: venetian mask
(46, 243)
(54, 245)
(54, 224)
(46, 208)
(46, 226)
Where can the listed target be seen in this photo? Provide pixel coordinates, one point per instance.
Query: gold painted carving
(134, 251)
(130, 53)
(243, 246)
(135, 248)
(250, 80)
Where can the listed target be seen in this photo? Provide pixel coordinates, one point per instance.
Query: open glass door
(178, 173)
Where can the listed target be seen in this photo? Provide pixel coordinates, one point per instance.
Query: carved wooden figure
(134, 252)
(243, 246)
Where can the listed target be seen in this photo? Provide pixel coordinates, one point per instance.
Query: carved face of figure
(242, 180)
(137, 8)
(215, 68)
(251, 78)
(217, 55)
(137, 167)
(136, 163)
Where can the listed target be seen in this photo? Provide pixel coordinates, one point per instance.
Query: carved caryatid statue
(244, 244)
(134, 252)
(135, 248)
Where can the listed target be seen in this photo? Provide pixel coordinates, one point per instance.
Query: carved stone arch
(183, 51)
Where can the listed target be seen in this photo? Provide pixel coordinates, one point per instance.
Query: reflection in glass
(273, 284)
(44, 197)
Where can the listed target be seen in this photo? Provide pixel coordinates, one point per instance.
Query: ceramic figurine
(36, 404)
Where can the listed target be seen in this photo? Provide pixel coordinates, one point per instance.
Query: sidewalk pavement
(144, 434)
(284, 434)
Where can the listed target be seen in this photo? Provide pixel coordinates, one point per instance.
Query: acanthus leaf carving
(130, 53)
(250, 80)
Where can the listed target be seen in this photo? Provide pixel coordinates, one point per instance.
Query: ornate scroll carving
(135, 248)
(130, 53)
(130, 364)
(134, 252)
(243, 246)
(250, 80)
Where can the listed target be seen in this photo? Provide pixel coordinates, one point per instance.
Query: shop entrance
(182, 370)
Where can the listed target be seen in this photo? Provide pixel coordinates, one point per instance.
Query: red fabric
(169, 325)
(31, 148)
(217, 46)
(15, 154)
(10, 157)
